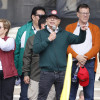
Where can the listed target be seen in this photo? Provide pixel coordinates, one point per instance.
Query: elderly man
(84, 54)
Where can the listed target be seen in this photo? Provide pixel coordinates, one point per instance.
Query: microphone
(53, 28)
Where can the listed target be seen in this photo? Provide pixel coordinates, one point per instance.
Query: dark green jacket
(31, 61)
(20, 50)
(53, 54)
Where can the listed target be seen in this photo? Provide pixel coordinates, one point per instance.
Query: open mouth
(52, 23)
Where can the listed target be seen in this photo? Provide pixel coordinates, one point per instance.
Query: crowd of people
(38, 56)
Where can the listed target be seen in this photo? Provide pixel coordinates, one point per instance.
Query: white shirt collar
(78, 25)
(34, 29)
(57, 29)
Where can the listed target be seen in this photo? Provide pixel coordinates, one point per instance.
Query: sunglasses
(39, 15)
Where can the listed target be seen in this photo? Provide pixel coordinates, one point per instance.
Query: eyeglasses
(39, 15)
(1, 27)
(82, 13)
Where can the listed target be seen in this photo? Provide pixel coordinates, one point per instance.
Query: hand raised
(84, 27)
(52, 36)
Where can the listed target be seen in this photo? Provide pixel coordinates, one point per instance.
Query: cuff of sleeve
(47, 40)
(26, 73)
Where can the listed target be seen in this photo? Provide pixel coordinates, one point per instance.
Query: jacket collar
(59, 29)
(78, 25)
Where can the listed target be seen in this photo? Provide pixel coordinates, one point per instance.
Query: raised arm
(73, 39)
(39, 45)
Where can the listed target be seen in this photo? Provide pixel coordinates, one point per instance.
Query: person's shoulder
(27, 25)
(30, 40)
(61, 30)
(93, 25)
(41, 31)
(71, 26)
(23, 28)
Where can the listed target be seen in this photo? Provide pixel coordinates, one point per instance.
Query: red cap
(83, 76)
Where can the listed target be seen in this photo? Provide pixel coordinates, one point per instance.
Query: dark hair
(82, 6)
(34, 10)
(42, 20)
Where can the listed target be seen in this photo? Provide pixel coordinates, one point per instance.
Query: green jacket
(24, 32)
(53, 54)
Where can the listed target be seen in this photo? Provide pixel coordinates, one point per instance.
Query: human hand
(81, 59)
(52, 36)
(79, 64)
(26, 79)
(84, 27)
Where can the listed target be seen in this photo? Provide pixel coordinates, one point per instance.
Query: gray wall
(19, 11)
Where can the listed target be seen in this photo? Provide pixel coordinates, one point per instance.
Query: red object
(7, 60)
(83, 76)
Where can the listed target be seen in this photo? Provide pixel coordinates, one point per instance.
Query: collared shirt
(84, 47)
(34, 29)
(7, 45)
(56, 30)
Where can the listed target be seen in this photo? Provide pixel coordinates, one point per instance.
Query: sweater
(53, 54)
(95, 31)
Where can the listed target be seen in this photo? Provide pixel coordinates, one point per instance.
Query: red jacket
(7, 60)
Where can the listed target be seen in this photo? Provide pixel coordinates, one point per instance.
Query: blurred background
(19, 11)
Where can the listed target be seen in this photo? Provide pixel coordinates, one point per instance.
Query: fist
(26, 79)
(84, 27)
(52, 36)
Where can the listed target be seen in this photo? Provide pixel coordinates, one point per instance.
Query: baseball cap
(83, 76)
(53, 13)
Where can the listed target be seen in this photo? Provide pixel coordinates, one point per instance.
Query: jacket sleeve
(99, 56)
(74, 39)
(39, 45)
(18, 45)
(7, 45)
(95, 44)
(69, 49)
(27, 58)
